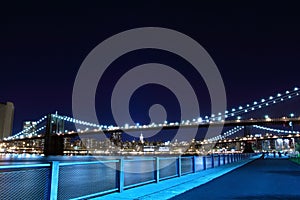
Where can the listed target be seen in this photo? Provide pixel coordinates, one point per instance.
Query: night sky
(256, 48)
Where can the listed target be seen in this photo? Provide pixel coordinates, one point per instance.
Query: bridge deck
(261, 179)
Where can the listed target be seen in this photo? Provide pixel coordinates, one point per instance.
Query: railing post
(121, 175)
(54, 180)
(157, 169)
(179, 166)
(212, 161)
(194, 164)
(219, 160)
(204, 162)
(228, 159)
(224, 159)
(231, 157)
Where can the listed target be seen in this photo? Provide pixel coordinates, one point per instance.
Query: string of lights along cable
(218, 118)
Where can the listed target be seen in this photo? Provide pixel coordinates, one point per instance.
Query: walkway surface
(170, 188)
(261, 179)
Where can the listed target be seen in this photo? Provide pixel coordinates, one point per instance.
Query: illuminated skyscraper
(29, 127)
(6, 119)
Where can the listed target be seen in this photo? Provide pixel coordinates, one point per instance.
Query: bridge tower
(54, 145)
(248, 145)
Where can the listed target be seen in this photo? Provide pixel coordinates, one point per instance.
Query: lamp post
(293, 139)
(291, 123)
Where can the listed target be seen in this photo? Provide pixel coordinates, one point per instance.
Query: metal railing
(81, 180)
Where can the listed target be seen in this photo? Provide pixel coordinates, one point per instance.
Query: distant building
(29, 126)
(6, 119)
(142, 138)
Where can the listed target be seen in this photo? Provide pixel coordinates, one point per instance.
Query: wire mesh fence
(82, 180)
(25, 184)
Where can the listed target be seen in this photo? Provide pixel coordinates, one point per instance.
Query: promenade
(262, 179)
(170, 188)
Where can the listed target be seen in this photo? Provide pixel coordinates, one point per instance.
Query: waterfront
(92, 176)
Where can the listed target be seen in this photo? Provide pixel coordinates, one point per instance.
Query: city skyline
(255, 52)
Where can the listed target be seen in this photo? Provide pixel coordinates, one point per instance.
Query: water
(12, 159)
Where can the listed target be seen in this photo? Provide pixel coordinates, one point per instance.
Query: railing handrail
(54, 167)
(24, 166)
(87, 162)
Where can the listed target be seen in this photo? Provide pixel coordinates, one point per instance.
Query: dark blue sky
(256, 48)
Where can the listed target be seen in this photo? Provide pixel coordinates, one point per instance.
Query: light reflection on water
(9, 159)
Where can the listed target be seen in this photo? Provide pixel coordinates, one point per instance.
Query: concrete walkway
(169, 188)
(263, 179)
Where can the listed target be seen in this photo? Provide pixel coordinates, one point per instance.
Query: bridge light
(199, 120)
(278, 95)
(267, 104)
(246, 110)
(240, 107)
(270, 97)
(226, 111)
(296, 89)
(263, 100)
(255, 102)
(290, 96)
(292, 114)
(239, 117)
(266, 116)
(287, 92)
(252, 108)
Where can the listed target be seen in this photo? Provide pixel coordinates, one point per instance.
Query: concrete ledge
(169, 188)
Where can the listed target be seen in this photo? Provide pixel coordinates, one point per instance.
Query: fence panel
(186, 165)
(28, 183)
(138, 171)
(86, 179)
(167, 167)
